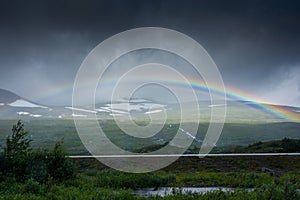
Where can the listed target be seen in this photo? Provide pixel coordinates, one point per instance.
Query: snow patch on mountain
(77, 115)
(116, 114)
(23, 103)
(153, 111)
(216, 105)
(81, 109)
(21, 113)
(133, 100)
(132, 107)
(102, 109)
(32, 115)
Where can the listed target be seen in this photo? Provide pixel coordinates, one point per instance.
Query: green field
(46, 133)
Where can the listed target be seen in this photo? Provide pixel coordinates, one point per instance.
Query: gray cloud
(282, 88)
(254, 43)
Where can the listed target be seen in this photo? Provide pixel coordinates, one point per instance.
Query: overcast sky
(255, 44)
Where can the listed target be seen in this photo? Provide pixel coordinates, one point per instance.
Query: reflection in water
(165, 191)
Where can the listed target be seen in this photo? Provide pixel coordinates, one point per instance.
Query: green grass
(285, 145)
(116, 179)
(111, 184)
(229, 179)
(45, 133)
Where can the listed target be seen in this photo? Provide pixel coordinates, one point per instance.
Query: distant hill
(285, 145)
(13, 106)
(7, 97)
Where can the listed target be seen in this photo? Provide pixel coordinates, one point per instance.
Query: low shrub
(18, 160)
(116, 179)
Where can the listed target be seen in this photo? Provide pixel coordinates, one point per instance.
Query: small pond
(165, 191)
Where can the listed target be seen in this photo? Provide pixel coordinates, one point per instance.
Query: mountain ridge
(14, 106)
(7, 96)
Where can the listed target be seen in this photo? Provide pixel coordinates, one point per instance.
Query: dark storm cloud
(42, 43)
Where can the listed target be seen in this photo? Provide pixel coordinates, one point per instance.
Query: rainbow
(54, 91)
(236, 94)
(231, 93)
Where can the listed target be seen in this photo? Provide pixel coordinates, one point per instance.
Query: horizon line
(183, 155)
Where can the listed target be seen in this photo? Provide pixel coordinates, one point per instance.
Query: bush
(285, 189)
(16, 153)
(37, 168)
(59, 166)
(31, 186)
(19, 161)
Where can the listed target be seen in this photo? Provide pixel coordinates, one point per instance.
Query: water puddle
(165, 191)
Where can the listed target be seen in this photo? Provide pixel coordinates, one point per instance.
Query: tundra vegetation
(46, 173)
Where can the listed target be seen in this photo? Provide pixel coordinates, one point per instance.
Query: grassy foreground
(48, 174)
(95, 181)
(111, 184)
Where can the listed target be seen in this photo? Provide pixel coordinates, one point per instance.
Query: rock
(272, 172)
